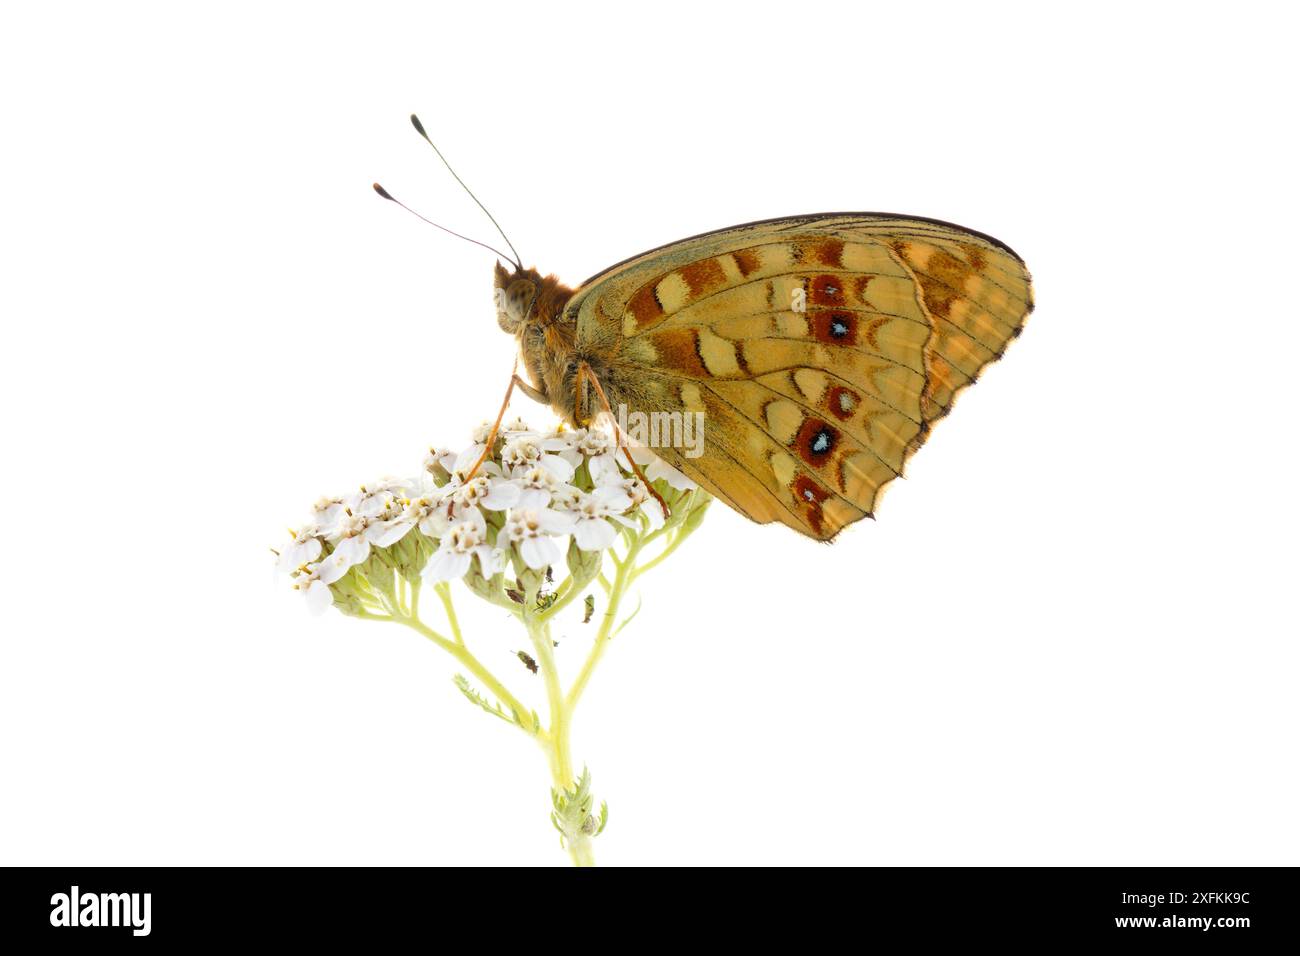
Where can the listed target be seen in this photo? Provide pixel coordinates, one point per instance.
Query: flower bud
(378, 571)
(530, 581)
(487, 588)
(583, 565)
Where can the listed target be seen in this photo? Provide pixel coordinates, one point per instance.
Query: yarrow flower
(303, 549)
(533, 496)
(487, 490)
(594, 515)
(507, 515)
(462, 542)
(533, 532)
(307, 581)
(601, 450)
(525, 451)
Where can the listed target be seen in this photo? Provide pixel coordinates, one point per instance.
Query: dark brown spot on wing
(842, 402)
(809, 496)
(703, 277)
(833, 326)
(815, 441)
(747, 261)
(679, 349)
(975, 256)
(805, 489)
(828, 252)
(943, 277)
(645, 306)
(827, 290)
(818, 251)
(943, 281)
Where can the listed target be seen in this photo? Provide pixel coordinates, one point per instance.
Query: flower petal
(447, 565)
(603, 469)
(594, 534)
(539, 552)
(612, 497)
(353, 550)
(333, 568)
(661, 469)
(502, 494)
(654, 511)
(465, 460)
(385, 533)
(557, 466)
(533, 499)
(319, 597)
(555, 522)
(490, 560)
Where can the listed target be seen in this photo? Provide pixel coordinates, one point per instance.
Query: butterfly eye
(513, 304)
(520, 296)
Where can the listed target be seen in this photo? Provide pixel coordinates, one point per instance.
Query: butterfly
(820, 350)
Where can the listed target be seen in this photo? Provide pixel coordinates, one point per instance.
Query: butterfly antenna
(389, 196)
(419, 128)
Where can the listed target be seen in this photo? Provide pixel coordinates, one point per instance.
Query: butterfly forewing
(819, 348)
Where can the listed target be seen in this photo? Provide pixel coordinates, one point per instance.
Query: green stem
(615, 597)
(628, 572)
(668, 549)
(472, 664)
(580, 851)
(558, 732)
(399, 600)
(556, 739)
(444, 595)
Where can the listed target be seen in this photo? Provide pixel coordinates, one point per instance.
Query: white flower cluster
(532, 492)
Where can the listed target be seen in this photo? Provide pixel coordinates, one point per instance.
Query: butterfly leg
(536, 394)
(586, 374)
(496, 425)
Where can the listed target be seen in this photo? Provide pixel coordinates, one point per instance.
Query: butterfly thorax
(531, 307)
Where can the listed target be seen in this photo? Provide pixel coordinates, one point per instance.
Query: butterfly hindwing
(821, 349)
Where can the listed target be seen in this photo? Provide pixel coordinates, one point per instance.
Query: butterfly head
(515, 294)
(527, 300)
(532, 308)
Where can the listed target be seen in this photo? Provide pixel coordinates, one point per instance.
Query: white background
(1069, 639)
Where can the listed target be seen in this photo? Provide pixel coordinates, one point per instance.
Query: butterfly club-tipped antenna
(514, 259)
(451, 232)
(419, 128)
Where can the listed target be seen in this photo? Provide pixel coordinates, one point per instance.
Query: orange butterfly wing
(820, 349)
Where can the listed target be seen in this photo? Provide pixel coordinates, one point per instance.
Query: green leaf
(478, 700)
(627, 620)
(534, 727)
(572, 814)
